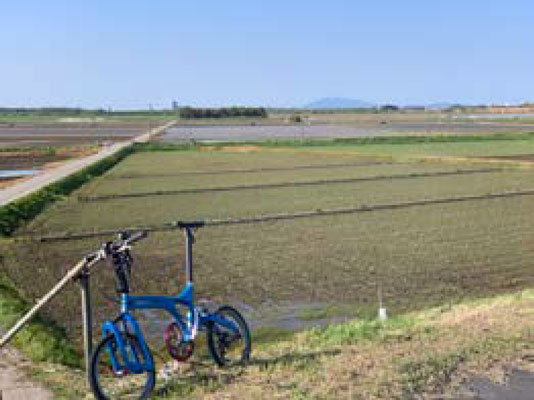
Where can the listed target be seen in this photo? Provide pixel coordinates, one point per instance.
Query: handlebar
(135, 237)
(93, 256)
(125, 239)
(121, 259)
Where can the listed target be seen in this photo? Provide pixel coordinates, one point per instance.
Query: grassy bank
(426, 354)
(42, 340)
(429, 353)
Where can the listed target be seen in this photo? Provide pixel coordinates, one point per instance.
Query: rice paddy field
(489, 148)
(294, 272)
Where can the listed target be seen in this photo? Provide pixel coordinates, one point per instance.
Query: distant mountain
(439, 106)
(337, 102)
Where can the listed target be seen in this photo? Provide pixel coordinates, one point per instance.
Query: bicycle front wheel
(111, 384)
(226, 346)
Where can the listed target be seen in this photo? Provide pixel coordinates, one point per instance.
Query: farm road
(39, 181)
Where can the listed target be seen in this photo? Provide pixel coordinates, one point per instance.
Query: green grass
(419, 256)
(434, 255)
(186, 159)
(113, 184)
(41, 340)
(401, 147)
(357, 331)
(438, 149)
(75, 216)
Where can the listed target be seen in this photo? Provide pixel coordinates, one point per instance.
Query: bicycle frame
(195, 320)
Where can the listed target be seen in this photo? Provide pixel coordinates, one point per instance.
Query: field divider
(285, 184)
(290, 216)
(251, 170)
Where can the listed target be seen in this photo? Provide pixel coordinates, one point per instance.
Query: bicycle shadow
(205, 373)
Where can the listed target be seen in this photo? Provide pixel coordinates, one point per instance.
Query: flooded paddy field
(180, 134)
(31, 159)
(21, 163)
(60, 136)
(35, 148)
(296, 272)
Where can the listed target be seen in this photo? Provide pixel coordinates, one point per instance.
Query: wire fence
(291, 271)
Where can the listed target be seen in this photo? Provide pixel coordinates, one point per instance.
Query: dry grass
(424, 355)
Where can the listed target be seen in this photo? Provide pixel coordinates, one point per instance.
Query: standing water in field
(11, 174)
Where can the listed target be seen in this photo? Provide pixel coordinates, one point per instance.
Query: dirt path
(14, 384)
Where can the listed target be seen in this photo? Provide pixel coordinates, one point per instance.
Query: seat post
(189, 240)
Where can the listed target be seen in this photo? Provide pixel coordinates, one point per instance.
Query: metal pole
(87, 320)
(189, 255)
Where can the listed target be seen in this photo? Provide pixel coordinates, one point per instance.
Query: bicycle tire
(217, 338)
(95, 377)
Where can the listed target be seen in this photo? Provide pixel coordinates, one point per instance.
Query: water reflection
(16, 173)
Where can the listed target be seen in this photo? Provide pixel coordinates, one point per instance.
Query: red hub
(174, 340)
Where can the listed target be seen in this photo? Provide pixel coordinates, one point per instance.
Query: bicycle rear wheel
(121, 384)
(227, 347)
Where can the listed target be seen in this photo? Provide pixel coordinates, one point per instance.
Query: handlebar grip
(92, 256)
(138, 236)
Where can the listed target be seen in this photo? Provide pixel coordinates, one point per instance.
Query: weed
(41, 340)
(430, 372)
(359, 330)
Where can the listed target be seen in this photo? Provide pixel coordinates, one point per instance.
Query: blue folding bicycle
(122, 366)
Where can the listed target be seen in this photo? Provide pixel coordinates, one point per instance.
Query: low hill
(337, 102)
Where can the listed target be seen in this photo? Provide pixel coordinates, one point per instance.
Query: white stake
(382, 312)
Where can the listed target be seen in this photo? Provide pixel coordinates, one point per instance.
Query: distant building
(526, 109)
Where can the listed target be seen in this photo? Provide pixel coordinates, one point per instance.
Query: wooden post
(85, 287)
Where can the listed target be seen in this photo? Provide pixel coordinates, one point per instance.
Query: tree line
(61, 111)
(224, 112)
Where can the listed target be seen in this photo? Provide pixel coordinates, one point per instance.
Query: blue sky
(129, 54)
